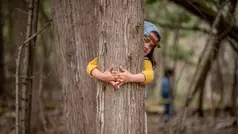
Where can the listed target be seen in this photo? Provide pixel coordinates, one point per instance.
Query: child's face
(149, 44)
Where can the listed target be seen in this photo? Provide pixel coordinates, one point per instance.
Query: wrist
(131, 78)
(102, 77)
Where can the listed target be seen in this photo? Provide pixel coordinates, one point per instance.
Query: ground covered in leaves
(188, 124)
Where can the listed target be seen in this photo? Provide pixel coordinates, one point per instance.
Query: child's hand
(108, 76)
(116, 82)
(124, 77)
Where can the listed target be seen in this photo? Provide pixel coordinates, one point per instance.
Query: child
(166, 87)
(151, 40)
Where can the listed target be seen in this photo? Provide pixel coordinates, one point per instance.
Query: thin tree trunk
(33, 123)
(200, 103)
(234, 86)
(75, 44)
(209, 53)
(26, 51)
(25, 80)
(120, 111)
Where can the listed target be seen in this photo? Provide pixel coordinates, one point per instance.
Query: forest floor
(191, 124)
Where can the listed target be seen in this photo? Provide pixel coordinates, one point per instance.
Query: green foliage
(180, 53)
(150, 1)
(213, 1)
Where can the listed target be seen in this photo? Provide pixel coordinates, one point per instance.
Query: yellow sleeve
(148, 72)
(92, 65)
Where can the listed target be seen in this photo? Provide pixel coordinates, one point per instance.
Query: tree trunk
(234, 86)
(120, 111)
(75, 42)
(24, 72)
(2, 73)
(34, 120)
(200, 103)
(209, 53)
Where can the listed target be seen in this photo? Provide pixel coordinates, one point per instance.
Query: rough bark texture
(75, 42)
(120, 111)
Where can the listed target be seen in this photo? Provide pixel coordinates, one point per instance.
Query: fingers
(114, 77)
(115, 72)
(115, 84)
(120, 84)
(109, 69)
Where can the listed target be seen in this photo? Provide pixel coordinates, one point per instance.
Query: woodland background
(203, 52)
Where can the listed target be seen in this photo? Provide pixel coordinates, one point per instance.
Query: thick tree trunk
(120, 111)
(75, 42)
(2, 73)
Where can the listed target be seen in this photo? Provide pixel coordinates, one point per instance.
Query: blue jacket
(166, 88)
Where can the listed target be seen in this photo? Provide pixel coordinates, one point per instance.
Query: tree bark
(24, 72)
(120, 111)
(75, 44)
(33, 123)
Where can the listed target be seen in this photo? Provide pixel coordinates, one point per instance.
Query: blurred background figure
(166, 93)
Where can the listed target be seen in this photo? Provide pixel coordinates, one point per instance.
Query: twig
(25, 12)
(192, 28)
(35, 34)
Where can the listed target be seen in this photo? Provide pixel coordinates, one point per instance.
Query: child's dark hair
(168, 72)
(151, 57)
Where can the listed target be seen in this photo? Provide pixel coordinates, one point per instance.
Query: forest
(46, 46)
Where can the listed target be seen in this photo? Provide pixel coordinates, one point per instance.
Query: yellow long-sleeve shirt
(148, 70)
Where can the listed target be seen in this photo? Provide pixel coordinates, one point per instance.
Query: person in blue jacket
(166, 92)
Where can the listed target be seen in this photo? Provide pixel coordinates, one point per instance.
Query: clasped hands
(117, 78)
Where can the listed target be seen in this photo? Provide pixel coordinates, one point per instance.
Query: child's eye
(147, 40)
(152, 45)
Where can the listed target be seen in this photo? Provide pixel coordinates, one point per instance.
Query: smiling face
(150, 43)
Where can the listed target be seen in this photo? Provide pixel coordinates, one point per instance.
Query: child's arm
(106, 76)
(144, 78)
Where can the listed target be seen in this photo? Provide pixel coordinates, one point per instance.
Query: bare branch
(201, 10)
(192, 28)
(35, 34)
